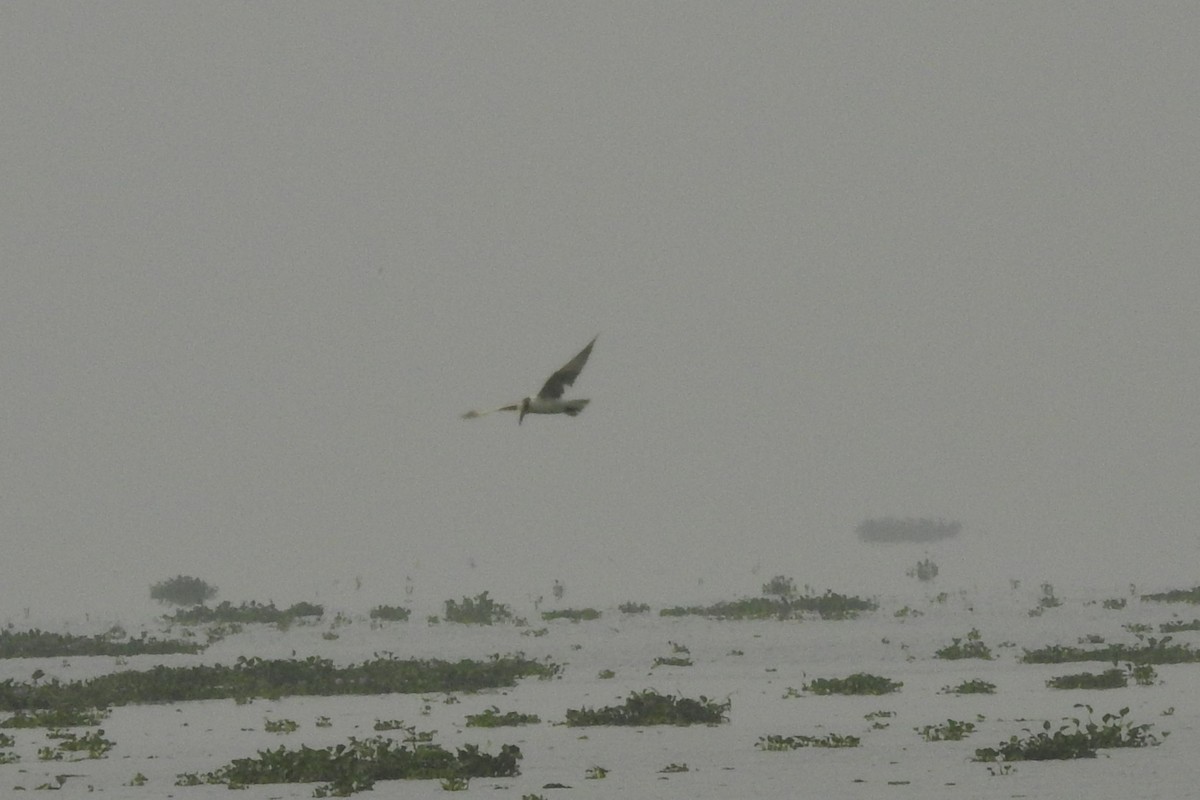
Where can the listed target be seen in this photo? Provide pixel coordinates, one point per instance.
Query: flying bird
(550, 399)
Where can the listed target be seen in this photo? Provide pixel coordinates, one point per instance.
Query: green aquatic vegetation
(244, 614)
(358, 765)
(672, 661)
(830, 605)
(778, 743)
(60, 717)
(973, 648)
(1109, 679)
(42, 644)
(573, 614)
(390, 613)
(651, 708)
(951, 731)
(455, 784)
(280, 726)
(1074, 739)
(876, 719)
(606, 674)
(633, 608)
(92, 745)
(859, 683)
(388, 725)
(492, 718)
(749, 608)
(1176, 627)
(1142, 674)
(257, 677)
(215, 633)
(673, 768)
(478, 610)
(1115, 603)
(1174, 596)
(596, 773)
(1152, 651)
(973, 686)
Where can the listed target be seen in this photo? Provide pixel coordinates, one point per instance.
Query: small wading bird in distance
(550, 399)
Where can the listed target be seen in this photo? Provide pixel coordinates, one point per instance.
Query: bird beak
(524, 407)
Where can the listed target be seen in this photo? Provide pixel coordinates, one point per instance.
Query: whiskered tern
(550, 399)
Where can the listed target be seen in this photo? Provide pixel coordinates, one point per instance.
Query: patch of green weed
(777, 743)
(42, 644)
(257, 677)
(1174, 596)
(492, 718)
(390, 613)
(951, 730)
(1076, 739)
(651, 708)
(356, 766)
(972, 648)
(973, 686)
(573, 614)
(478, 610)
(245, 614)
(860, 683)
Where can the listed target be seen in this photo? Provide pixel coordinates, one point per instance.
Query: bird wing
(566, 376)
(474, 414)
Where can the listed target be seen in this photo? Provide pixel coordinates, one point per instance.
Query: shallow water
(752, 663)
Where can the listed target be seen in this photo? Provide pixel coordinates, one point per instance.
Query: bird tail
(474, 414)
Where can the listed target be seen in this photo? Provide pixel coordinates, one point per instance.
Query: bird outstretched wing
(566, 376)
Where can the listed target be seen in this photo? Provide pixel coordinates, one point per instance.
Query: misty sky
(845, 260)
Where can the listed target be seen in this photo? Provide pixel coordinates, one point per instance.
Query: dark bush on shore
(182, 590)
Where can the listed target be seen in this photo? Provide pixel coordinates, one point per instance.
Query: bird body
(550, 399)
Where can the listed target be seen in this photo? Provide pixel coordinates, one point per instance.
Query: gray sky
(846, 260)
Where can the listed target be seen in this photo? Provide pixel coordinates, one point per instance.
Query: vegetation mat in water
(257, 677)
(358, 765)
(41, 644)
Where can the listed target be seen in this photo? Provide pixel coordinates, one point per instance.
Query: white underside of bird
(550, 399)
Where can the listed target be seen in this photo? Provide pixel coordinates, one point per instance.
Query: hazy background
(846, 260)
